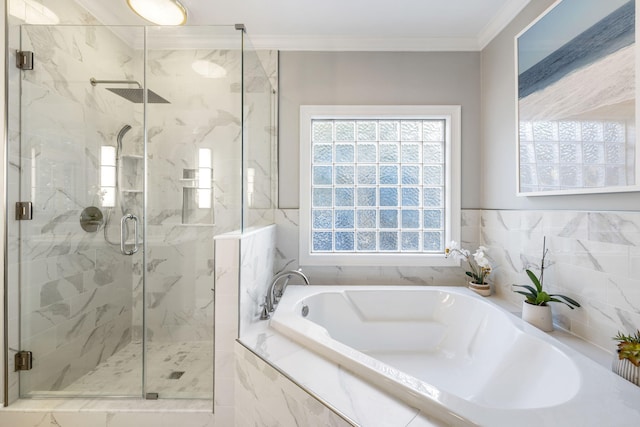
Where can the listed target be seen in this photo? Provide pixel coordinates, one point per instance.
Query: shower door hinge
(24, 211)
(23, 361)
(24, 59)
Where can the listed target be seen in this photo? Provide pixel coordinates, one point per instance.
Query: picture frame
(576, 103)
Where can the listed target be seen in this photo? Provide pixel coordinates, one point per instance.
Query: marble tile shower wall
(593, 257)
(76, 289)
(204, 113)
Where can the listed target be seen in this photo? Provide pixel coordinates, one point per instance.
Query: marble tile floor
(121, 373)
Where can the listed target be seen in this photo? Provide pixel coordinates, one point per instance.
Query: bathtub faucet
(274, 293)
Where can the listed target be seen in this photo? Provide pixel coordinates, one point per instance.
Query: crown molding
(372, 44)
(505, 15)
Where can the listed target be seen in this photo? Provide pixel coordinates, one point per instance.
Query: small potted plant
(535, 308)
(627, 364)
(479, 266)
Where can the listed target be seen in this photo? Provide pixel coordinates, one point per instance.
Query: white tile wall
(265, 397)
(593, 258)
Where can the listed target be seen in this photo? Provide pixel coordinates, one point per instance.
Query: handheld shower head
(123, 131)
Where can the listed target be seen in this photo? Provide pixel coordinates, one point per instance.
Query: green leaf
(531, 289)
(534, 279)
(529, 298)
(468, 273)
(567, 299)
(542, 298)
(560, 301)
(635, 339)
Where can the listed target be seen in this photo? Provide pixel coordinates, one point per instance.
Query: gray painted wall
(370, 78)
(498, 175)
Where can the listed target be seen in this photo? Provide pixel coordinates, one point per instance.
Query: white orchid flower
(481, 260)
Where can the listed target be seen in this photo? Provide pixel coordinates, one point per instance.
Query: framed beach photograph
(576, 99)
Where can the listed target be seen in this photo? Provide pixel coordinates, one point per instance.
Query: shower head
(135, 95)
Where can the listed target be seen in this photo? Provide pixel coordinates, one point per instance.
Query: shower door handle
(123, 234)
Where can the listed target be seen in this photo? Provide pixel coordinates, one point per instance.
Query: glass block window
(379, 185)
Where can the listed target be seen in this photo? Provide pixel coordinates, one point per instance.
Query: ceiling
(401, 25)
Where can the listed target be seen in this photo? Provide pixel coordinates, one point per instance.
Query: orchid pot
(483, 289)
(538, 315)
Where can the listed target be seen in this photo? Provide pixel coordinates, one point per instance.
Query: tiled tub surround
(353, 398)
(455, 355)
(594, 257)
(266, 397)
(289, 377)
(257, 258)
(607, 291)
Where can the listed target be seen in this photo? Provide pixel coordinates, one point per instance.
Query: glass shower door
(78, 161)
(194, 193)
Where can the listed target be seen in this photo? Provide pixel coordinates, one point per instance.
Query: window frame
(452, 181)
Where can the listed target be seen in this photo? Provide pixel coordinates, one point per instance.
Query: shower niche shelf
(197, 197)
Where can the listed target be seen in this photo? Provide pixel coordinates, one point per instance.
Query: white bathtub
(456, 356)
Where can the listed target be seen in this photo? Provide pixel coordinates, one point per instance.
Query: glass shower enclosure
(129, 149)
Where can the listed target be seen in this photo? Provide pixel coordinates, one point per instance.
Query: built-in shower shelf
(125, 190)
(132, 156)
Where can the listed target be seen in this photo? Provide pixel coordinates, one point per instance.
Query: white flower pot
(626, 370)
(538, 315)
(484, 290)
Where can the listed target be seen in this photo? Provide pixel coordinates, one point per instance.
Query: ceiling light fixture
(161, 12)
